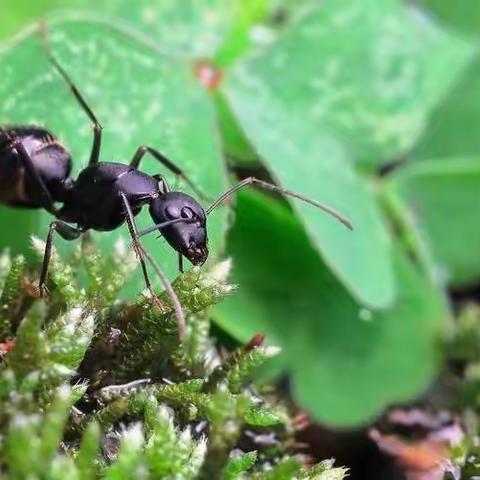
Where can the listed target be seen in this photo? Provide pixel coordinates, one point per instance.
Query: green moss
(92, 387)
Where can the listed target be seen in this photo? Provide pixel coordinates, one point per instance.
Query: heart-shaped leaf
(191, 28)
(349, 81)
(346, 362)
(441, 199)
(140, 96)
(309, 162)
(461, 14)
(366, 72)
(16, 13)
(454, 129)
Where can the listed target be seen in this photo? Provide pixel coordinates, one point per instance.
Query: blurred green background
(370, 107)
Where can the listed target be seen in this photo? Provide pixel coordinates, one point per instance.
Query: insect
(35, 172)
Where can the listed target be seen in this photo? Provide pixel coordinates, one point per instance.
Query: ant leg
(132, 228)
(180, 262)
(269, 186)
(67, 232)
(141, 252)
(143, 150)
(97, 127)
(27, 163)
(162, 181)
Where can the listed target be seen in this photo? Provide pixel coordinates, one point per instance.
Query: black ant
(35, 173)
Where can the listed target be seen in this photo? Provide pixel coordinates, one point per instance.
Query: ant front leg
(143, 150)
(162, 182)
(97, 127)
(67, 232)
(138, 248)
(142, 253)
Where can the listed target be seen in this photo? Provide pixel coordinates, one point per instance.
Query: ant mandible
(35, 173)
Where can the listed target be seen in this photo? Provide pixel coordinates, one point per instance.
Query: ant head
(189, 237)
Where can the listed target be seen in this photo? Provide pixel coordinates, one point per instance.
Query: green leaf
(235, 144)
(247, 14)
(440, 198)
(461, 14)
(191, 28)
(378, 70)
(140, 96)
(18, 225)
(366, 73)
(347, 362)
(17, 13)
(306, 161)
(454, 127)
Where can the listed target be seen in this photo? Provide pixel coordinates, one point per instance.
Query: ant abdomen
(25, 150)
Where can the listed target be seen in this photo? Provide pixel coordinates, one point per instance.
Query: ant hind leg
(66, 231)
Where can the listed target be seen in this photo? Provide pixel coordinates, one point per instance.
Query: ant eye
(187, 212)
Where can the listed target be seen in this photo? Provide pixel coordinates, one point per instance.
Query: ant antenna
(269, 186)
(159, 226)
